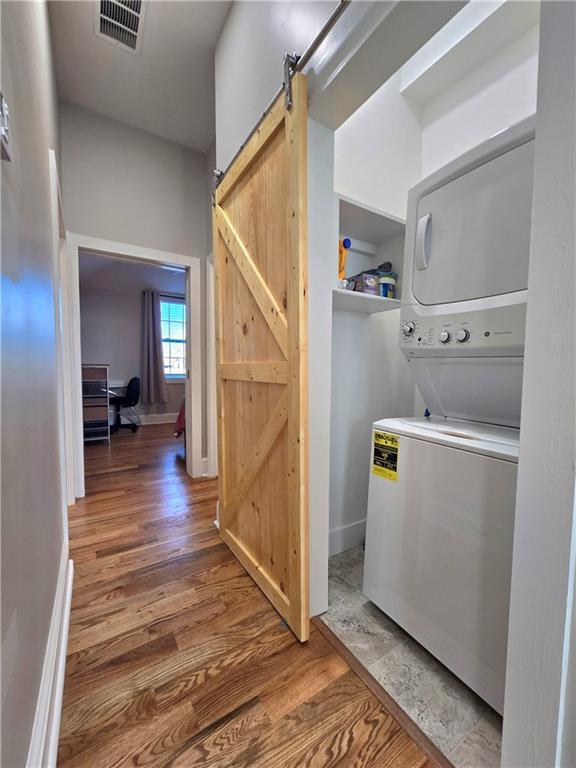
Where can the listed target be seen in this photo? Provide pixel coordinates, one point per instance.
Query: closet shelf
(354, 301)
(366, 224)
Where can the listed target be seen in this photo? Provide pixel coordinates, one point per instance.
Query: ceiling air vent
(120, 22)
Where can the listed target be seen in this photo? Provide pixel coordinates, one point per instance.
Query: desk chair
(127, 403)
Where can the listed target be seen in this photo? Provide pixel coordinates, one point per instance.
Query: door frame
(62, 338)
(195, 463)
(211, 380)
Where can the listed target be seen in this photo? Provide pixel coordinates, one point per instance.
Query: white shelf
(354, 301)
(361, 222)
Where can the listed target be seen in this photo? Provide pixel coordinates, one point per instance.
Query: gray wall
(32, 535)
(123, 184)
(110, 317)
(248, 62)
(210, 166)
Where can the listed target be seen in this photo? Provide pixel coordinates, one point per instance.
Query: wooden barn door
(260, 268)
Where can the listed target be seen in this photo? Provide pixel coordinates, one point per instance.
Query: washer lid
(487, 390)
(485, 439)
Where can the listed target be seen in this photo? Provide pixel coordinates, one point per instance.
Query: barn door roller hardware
(290, 63)
(217, 176)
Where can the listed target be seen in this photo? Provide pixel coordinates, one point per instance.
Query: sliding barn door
(260, 261)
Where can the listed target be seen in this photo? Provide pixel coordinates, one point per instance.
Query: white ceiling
(127, 275)
(168, 89)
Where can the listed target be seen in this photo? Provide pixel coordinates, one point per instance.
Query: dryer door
(473, 234)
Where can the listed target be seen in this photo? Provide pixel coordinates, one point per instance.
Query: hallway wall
(32, 535)
(120, 183)
(126, 185)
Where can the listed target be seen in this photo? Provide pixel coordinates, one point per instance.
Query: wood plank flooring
(175, 657)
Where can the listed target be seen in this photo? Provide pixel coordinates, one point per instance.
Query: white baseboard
(158, 418)
(347, 536)
(44, 739)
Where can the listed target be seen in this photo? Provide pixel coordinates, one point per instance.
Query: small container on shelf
(367, 283)
(387, 287)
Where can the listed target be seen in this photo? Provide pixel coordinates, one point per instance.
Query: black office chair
(127, 404)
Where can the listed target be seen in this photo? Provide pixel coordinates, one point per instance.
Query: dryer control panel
(497, 331)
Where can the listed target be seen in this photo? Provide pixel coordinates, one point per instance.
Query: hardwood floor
(175, 657)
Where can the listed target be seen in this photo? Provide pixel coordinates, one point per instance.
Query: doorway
(134, 345)
(100, 256)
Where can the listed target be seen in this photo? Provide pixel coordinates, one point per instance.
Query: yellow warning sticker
(385, 459)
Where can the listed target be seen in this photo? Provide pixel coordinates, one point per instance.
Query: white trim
(65, 435)
(347, 536)
(193, 383)
(53, 730)
(211, 415)
(157, 418)
(126, 250)
(44, 738)
(113, 248)
(75, 373)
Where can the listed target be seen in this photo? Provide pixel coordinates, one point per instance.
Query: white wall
(378, 151)
(126, 185)
(248, 63)
(322, 254)
(390, 143)
(32, 498)
(370, 380)
(539, 726)
(494, 96)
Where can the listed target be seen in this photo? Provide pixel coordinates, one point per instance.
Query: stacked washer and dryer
(442, 488)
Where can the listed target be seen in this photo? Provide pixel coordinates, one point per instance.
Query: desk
(116, 392)
(95, 402)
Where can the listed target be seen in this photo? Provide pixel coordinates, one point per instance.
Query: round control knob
(408, 328)
(445, 337)
(463, 335)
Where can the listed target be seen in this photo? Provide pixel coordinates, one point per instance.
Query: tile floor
(466, 729)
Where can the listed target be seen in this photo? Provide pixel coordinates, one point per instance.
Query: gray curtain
(154, 388)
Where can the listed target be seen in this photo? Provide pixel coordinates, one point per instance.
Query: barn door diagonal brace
(290, 62)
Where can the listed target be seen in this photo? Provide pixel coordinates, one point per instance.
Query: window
(173, 318)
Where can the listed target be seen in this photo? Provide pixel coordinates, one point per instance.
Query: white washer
(439, 540)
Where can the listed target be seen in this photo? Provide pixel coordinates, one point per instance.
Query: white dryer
(442, 490)
(439, 540)
(465, 278)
